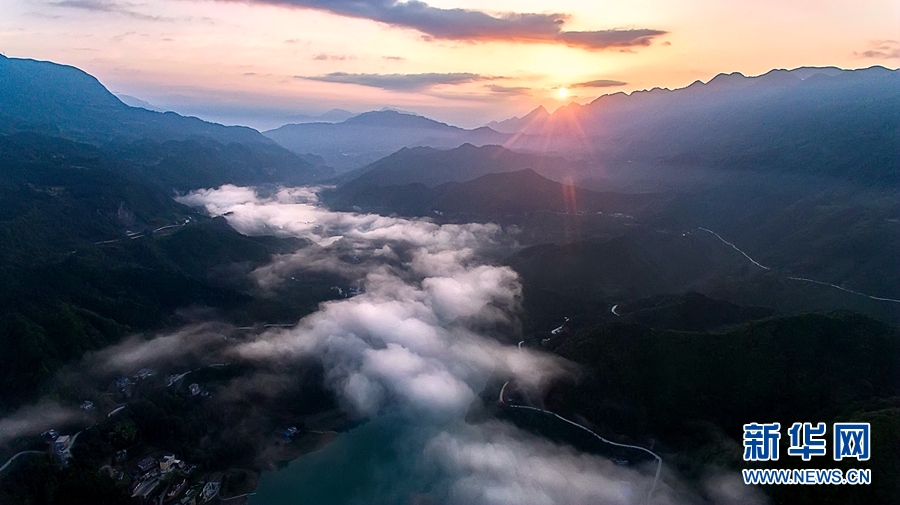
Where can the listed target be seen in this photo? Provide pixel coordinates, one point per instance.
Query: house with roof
(168, 463)
(147, 464)
(212, 487)
(61, 444)
(144, 373)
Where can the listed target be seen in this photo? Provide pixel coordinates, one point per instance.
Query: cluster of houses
(167, 480)
(60, 446)
(163, 480)
(125, 384)
(288, 434)
(351, 291)
(198, 391)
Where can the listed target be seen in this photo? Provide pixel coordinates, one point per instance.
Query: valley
(389, 308)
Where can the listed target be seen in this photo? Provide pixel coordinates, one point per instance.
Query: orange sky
(257, 62)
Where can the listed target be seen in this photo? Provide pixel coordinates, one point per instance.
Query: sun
(562, 92)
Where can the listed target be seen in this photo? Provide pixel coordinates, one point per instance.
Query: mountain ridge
(64, 101)
(370, 136)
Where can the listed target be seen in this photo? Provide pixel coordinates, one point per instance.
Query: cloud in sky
(399, 82)
(599, 83)
(333, 57)
(508, 90)
(881, 49)
(473, 25)
(112, 6)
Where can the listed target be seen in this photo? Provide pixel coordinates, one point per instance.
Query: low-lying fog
(435, 317)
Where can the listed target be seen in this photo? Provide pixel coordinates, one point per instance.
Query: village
(120, 443)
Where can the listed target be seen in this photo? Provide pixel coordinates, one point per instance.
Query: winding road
(573, 423)
(555, 331)
(502, 390)
(16, 456)
(238, 496)
(844, 289)
(735, 248)
(799, 279)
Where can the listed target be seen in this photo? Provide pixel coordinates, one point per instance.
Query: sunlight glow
(562, 92)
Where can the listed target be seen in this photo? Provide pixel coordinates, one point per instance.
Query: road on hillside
(16, 456)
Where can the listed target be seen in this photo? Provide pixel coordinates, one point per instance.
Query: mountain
(331, 116)
(690, 393)
(64, 101)
(819, 121)
(491, 195)
(431, 167)
(80, 108)
(471, 180)
(92, 250)
(367, 137)
(530, 122)
(137, 102)
(688, 312)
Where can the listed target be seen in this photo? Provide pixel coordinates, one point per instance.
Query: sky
(263, 62)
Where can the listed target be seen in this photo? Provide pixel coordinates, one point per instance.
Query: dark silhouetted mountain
(687, 389)
(57, 99)
(201, 162)
(823, 121)
(688, 312)
(635, 265)
(489, 196)
(331, 116)
(368, 137)
(530, 122)
(137, 102)
(90, 250)
(40, 92)
(433, 167)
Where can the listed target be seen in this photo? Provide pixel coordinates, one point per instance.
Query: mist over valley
(577, 306)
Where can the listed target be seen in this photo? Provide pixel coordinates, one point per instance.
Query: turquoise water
(376, 462)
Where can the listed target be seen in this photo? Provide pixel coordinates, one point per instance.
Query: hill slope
(492, 195)
(365, 138)
(823, 121)
(64, 101)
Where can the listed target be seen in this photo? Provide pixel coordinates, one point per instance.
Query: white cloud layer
(411, 345)
(409, 335)
(411, 342)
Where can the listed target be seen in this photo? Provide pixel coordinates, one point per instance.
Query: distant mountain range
(475, 181)
(59, 100)
(331, 116)
(137, 102)
(825, 121)
(799, 167)
(94, 247)
(431, 167)
(489, 196)
(531, 121)
(75, 104)
(370, 136)
(768, 158)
